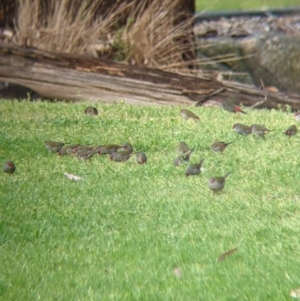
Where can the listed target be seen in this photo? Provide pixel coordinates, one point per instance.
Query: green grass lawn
(235, 5)
(119, 233)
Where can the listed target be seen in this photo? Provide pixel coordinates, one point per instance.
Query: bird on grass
(259, 130)
(108, 149)
(127, 147)
(141, 158)
(219, 146)
(217, 183)
(54, 146)
(194, 169)
(91, 111)
(291, 131)
(120, 156)
(297, 116)
(183, 149)
(9, 167)
(68, 149)
(230, 107)
(84, 152)
(186, 114)
(242, 129)
(178, 161)
(183, 158)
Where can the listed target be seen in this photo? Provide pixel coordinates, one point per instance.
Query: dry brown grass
(65, 26)
(149, 36)
(155, 39)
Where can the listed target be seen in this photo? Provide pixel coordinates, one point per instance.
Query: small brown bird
(54, 146)
(219, 146)
(178, 161)
(223, 256)
(242, 129)
(291, 131)
(186, 114)
(85, 153)
(194, 169)
(108, 149)
(187, 156)
(80, 148)
(91, 111)
(120, 156)
(259, 130)
(127, 147)
(297, 116)
(9, 167)
(67, 149)
(141, 158)
(217, 183)
(183, 158)
(230, 107)
(183, 149)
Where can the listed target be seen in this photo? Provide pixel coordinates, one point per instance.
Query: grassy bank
(119, 233)
(235, 5)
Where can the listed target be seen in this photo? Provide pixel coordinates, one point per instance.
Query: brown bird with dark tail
(127, 147)
(178, 161)
(108, 149)
(230, 107)
(291, 131)
(259, 130)
(194, 169)
(183, 149)
(217, 183)
(120, 156)
(67, 149)
(141, 158)
(9, 167)
(84, 152)
(219, 146)
(186, 114)
(184, 157)
(54, 146)
(242, 129)
(91, 111)
(297, 116)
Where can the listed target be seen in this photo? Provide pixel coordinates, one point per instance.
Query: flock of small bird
(218, 183)
(118, 153)
(215, 183)
(122, 153)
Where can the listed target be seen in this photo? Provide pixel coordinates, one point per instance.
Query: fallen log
(74, 78)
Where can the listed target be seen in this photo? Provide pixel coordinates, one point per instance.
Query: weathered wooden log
(73, 78)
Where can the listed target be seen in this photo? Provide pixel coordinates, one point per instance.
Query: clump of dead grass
(157, 40)
(63, 26)
(151, 35)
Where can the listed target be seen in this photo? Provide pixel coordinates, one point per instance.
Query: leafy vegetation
(120, 232)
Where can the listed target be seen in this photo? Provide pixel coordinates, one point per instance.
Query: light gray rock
(274, 59)
(224, 51)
